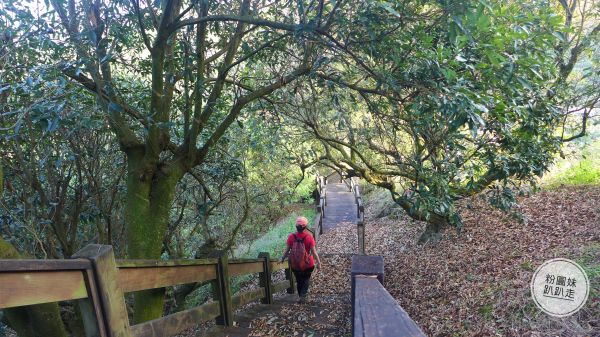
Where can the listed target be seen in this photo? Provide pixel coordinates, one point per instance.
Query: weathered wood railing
(355, 189)
(98, 282)
(374, 311)
(322, 202)
(352, 184)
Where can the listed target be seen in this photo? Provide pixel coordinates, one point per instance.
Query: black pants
(303, 280)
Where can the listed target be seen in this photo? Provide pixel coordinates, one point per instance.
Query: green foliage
(590, 262)
(460, 99)
(216, 126)
(487, 311)
(274, 240)
(580, 167)
(252, 183)
(62, 165)
(586, 172)
(186, 103)
(527, 266)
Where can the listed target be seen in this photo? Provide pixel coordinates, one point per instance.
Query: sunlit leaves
(465, 101)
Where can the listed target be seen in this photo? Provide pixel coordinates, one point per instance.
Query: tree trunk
(34, 320)
(432, 230)
(434, 225)
(435, 222)
(148, 204)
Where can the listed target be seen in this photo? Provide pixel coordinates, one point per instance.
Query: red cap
(301, 221)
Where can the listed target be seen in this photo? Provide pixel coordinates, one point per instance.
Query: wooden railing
(355, 189)
(374, 311)
(322, 202)
(98, 282)
(352, 184)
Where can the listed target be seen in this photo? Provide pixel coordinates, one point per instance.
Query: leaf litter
(476, 283)
(472, 283)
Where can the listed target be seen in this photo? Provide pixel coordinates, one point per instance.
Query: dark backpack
(299, 258)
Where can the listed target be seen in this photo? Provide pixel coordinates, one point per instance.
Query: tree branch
(243, 101)
(241, 18)
(202, 116)
(136, 6)
(126, 136)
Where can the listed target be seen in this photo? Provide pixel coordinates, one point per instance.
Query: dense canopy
(174, 128)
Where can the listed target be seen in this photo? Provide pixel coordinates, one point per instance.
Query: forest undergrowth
(476, 283)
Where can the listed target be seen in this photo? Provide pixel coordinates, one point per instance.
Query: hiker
(301, 247)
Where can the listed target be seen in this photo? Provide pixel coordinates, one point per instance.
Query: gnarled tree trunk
(435, 222)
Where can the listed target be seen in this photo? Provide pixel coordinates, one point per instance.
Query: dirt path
(327, 311)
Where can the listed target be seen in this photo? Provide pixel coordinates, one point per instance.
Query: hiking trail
(328, 309)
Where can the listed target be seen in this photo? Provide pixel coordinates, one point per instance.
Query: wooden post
(91, 308)
(265, 278)
(318, 226)
(321, 216)
(360, 228)
(368, 265)
(371, 266)
(91, 320)
(222, 290)
(109, 293)
(289, 275)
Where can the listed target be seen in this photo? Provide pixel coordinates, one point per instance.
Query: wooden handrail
(377, 313)
(39, 265)
(173, 323)
(237, 269)
(143, 278)
(354, 187)
(374, 311)
(135, 263)
(320, 208)
(99, 282)
(20, 288)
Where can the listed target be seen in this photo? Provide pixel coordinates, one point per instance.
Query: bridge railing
(99, 282)
(354, 187)
(322, 202)
(374, 311)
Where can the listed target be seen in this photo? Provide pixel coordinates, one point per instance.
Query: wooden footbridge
(99, 282)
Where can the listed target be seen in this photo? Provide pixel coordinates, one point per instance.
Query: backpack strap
(297, 239)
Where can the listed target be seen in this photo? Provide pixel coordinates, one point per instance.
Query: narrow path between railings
(328, 311)
(341, 207)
